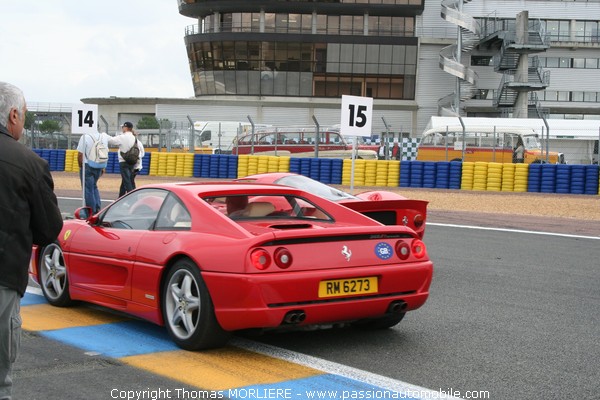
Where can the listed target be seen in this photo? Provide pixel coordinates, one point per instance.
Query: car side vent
(291, 226)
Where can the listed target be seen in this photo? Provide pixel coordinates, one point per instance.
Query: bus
(172, 140)
(483, 143)
(301, 142)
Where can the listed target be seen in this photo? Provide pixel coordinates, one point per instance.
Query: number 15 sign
(356, 116)
(84, 118)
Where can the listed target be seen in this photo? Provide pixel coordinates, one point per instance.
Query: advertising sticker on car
(348, 287)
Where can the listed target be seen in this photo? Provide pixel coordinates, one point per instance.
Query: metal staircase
(520, 77)
(516, 83)
(449, 61)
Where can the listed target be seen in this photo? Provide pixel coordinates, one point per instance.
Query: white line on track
(485, 228)
(339, 369)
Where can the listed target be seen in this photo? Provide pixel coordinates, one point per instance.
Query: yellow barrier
(521, 177)
(494, 177)
(508, 178)
(71, 164)
(393, 177)
(467, 176)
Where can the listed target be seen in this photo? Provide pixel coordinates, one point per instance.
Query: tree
(147, 123)
(49, 126)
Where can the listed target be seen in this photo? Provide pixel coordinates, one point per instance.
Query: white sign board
(84, 118)
(356, 116)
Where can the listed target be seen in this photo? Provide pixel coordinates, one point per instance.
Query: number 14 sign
(84, 118)
(356, 116)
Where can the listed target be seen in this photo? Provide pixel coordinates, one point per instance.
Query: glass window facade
(324, 66)
(304, 69)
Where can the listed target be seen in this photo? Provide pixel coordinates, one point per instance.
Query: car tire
(188, 311)
(385, 322)
(53, 277)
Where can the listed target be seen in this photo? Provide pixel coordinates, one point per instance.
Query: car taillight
(418, 248)
(418, 221)
(260, 258)
(402, 250)
(283, 258)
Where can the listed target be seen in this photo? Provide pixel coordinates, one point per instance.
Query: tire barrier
(455, 175)
(416, 174)
(467, 175)
(508, 178)
(442, 175)
(480, 176)
(55, 158)
(521, 177)
(393, 177)
(429, 174)
(534, 178)
(592, 185)
(548, 182)
(563, 178)
(405, 173)
(494, 177)
(483, 176)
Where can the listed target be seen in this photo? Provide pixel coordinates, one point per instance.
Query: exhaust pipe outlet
(294, 317)
(397, 307)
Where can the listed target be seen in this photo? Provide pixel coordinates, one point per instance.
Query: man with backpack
(92, 158)
(128, 156)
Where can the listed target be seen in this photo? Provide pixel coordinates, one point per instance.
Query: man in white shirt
(125, 141)
(137, 168)
(93, 170)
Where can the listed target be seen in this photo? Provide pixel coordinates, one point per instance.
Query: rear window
(247, 207)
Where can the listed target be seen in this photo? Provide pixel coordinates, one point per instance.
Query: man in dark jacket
(29, 214)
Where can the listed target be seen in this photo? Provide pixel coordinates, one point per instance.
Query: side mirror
(85, 213)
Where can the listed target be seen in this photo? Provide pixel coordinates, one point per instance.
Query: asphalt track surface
(511, 315)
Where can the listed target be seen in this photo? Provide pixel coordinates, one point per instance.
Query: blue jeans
(10, 334)
(92, 194)
(126, 178)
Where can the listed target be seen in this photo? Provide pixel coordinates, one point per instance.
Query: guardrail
(482, 176)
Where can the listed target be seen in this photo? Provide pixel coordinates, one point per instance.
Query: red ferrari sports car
(207, 259)
(387, 207)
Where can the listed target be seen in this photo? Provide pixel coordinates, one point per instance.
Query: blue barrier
(416, 174)
(455, 175)
(405, 173)
(548, 179)
(233, 166)
(337, 170)
(295, 165)
(534, 178)
(314, 168)
(563, 178)
(325, 170)
(545, 178)
(442, 175)
(429, 174)
(577, 179)
(592, 173)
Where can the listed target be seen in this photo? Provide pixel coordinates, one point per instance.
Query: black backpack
(132, 155)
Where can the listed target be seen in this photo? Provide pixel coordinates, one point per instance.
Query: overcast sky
(61, 51)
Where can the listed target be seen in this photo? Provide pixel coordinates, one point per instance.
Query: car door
(102, 256)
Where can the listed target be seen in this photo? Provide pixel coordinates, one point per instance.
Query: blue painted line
(327, 386)
(119, 339)
(31, 299)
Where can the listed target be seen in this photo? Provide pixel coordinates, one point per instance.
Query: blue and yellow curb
(240, 370)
